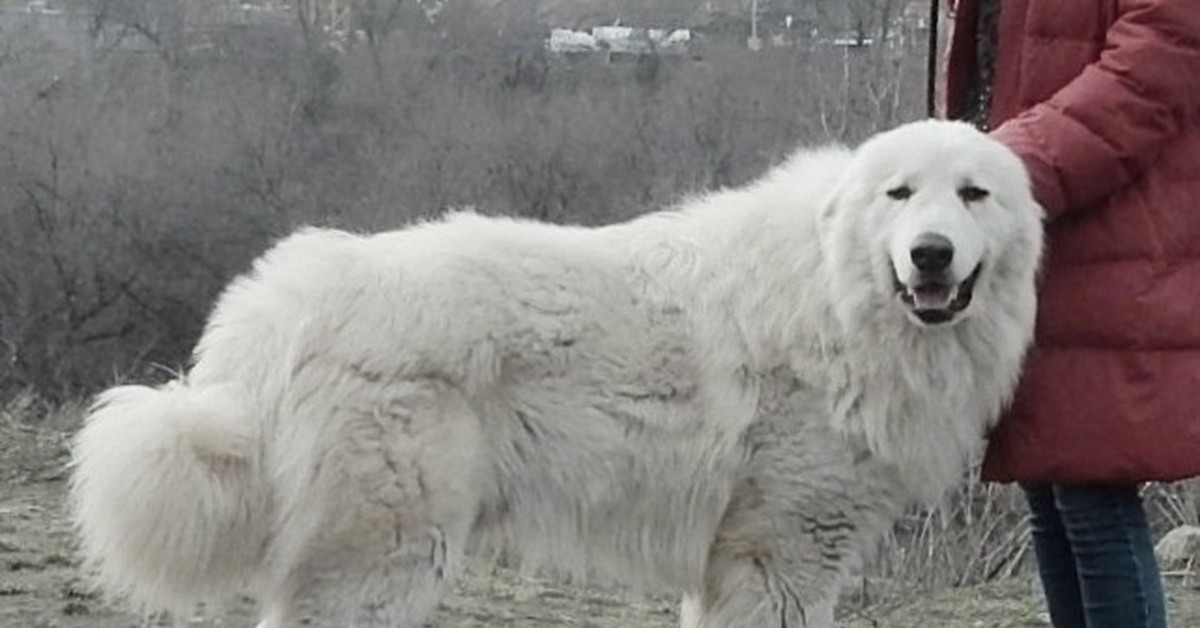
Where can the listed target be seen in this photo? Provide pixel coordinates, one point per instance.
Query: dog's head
(947, 219)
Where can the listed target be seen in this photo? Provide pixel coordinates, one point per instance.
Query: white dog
(731, 400)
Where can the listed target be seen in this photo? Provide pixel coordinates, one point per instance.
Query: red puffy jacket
(1101, 98)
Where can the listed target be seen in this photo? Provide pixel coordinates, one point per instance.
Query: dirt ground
(40, 586)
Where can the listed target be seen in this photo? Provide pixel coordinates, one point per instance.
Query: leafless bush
(1173, 505)
(137, 182)
(981, 533)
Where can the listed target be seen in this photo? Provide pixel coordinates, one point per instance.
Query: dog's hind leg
(397, 590)
(403, 488)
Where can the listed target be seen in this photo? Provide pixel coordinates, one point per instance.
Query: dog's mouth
(935, 301)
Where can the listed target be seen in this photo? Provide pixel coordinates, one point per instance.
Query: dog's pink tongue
(931, 297)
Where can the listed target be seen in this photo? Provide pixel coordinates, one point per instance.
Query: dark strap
(931, 63)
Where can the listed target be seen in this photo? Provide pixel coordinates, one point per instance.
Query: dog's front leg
(276, 617)
(748, 596)
(795, 527)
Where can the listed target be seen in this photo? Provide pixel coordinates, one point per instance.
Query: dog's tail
(165, 495)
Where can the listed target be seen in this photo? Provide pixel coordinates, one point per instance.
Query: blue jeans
(1095, 557)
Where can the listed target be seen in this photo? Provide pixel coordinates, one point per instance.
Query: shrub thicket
(138, 178)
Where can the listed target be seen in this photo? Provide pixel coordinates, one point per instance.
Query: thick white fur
(726, 400)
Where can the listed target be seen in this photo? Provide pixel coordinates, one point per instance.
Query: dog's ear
(1030, 246)
(1019, 201)
(837, 231)
(1019, 196)
(832, 202)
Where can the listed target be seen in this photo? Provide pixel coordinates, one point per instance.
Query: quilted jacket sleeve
(1099, 131)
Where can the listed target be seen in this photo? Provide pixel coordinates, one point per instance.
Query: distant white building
(620, 41)
(566, 41)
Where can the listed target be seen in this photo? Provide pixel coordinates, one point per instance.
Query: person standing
(1101, 100)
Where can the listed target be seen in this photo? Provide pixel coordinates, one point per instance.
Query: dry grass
(981, 534)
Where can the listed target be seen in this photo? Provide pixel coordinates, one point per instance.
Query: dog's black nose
(932, 253)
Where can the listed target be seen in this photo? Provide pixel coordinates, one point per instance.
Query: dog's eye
(971, 193)
(900, 193)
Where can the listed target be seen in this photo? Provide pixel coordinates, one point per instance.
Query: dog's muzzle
(933, 297)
